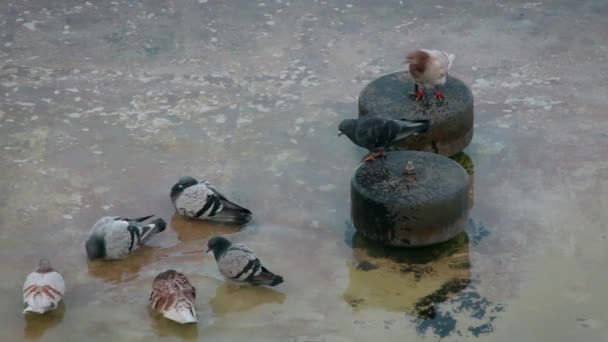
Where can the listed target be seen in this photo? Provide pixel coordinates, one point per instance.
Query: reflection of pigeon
(43, 289)
(429, 68)
(115, 237)
(239, 264)
(200, 200)
(173, 296)
(375, 134)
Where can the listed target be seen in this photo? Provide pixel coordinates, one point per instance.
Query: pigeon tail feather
(183, 313)
(152, 229)
(267, 278)
(419, 126)
(230, 214)
(142, 219)
(39, 303)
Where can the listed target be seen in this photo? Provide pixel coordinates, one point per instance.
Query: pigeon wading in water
(43, 289)
(200, 200)
(173, 296)
(377, 134)
(429, 68)
(239, 264)
(114, 237)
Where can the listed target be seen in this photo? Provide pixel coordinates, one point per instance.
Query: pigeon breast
(118, 241)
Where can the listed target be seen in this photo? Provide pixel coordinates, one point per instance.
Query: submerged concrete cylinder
(451, 120)
(410, 199)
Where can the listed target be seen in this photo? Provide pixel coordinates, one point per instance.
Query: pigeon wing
(405, 128)
(374, 133)
(43, 291)
(173, 296)
(198, 201)
(239, 263)
(225, 202)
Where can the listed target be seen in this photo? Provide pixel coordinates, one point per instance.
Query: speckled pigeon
(200, 200)
(43, 289)
(173, 296)
(114, 237)
(376, 134)
(239, 264)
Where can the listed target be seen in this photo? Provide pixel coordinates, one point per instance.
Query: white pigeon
(173, 296)
(429, 68)
(239, 264)
(43, 289)
(200, 200)
(114, 237)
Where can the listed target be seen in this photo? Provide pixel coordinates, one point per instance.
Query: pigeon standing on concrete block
(239, 264)
(429, 68)
(200, 200)
(173, 296)
(43, 289)
(376, 134)
(114, 237)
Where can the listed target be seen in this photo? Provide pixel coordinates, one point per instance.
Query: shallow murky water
(104, 106)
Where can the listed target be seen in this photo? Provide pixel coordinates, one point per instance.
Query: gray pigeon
(239, 264)
(376, 134)
(114, 237)
(200, 200)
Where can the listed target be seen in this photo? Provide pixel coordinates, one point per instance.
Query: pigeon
(173, 296)
(239, 264)
(114, 237)
(200, 200)
(429, 68)
(376, 134)
(43, 289)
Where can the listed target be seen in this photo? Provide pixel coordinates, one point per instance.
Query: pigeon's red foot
(373, 156)
(439, 95)
(418, 95)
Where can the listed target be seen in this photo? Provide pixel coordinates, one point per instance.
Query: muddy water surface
(104, 106)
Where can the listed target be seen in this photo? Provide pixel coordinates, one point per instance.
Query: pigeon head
(44, 266)
(348, 127)
(96, 247)
(218, 245)
(182, 184)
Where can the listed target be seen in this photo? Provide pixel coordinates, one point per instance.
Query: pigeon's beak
(208, 250)
(340, 133)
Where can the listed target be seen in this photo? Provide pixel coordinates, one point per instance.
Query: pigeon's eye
(180, 186)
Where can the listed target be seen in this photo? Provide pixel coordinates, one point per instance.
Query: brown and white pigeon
(43, 289)
(429, 68)
(114, 237)
(200, 200)
(173, 296)
(239, 264)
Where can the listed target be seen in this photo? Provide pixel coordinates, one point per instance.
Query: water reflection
(410, 280)
(37, 325)
(128, 269)
(167, 327)
(230, 298)
(188, 229)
